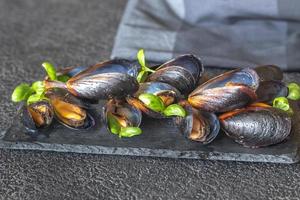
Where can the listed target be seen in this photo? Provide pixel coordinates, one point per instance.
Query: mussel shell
(27, 118)
(269, 72)
(257, 126)
(269, 90)
(156, 88)
(65, 96)
(226, 92)
(182, 72)
(210, 125)
(132, 115)
(102, 86)
(71, 71)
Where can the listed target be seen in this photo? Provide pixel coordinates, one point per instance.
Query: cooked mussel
(71, 71)
(37, 116)
(228, 91)
(199, 126)
(269, 73)
(182, 73)
(257, 125)
(108, 79)
(69, 110)
(167, 93)
(125, 115)
(269, 90)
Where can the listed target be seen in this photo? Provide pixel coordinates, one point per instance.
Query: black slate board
(160, 138)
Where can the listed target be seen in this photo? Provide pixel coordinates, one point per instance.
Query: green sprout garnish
(50, 69)
(283, 104)
(63, 78)
(156, 104)
(152, 101)
(174, 110)
(143, 74)
(294, 91)
(117, 129)
(130, 131)
(21, 92)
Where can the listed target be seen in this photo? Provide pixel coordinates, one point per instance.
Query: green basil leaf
(294, 91)
(21, 92)
(34, 98)
(152, 102)
(63, 78)
(38, 87)
(113, 124)
(281, 103)
(141, 58)
(130, 131)
(142, 76)
(50, 69)
(174, 110)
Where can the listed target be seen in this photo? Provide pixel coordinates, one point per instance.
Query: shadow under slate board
(160, 138)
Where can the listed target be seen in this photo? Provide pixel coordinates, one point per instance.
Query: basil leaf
(152, 102)
(34, 98)
(281, 103)
(38, 87)
(294, 91)
(63, 78)
(21, 92)
(174, 110)
(130, 131)
(50, 69)
(142, 76)
(113, 124)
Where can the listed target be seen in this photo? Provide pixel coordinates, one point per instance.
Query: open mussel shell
(269, 90)
(257, 126)
(127, 115)
(199, 126)
(36, 116)
(114, 78)
(69, 110)
(269, 73)
(166, 92)
(228, 91)
(182, 72)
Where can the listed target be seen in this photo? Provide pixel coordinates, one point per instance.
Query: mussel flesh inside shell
(269, 90)
(37, 116)
(182, 73)
(167, 93)
(124, 113)
(257, 126)
(69, 110)
(199, 126)
(228, 91)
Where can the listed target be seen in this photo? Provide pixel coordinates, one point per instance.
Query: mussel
(269, 90)
(71, 71)
(114, 78)
(182, 73)
(228, 91)
(167, 93)
(69, 110)
(257, 125)
(199, 126)
(125, 114)
(269, 73)
(37, 116)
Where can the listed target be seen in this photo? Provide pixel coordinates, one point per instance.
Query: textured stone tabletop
(74, 32)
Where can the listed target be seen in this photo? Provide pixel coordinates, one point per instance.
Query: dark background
(74, 32)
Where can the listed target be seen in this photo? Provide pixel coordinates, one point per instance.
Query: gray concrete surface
(78, 32)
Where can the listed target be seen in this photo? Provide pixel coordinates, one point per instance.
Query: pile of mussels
(250, 104)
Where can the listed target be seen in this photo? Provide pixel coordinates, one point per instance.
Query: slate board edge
(146, 152)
